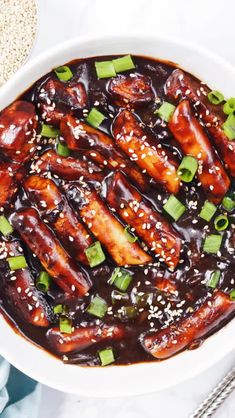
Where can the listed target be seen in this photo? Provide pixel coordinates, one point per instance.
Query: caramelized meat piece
(193, 141)
(159, 236)
(67, 168)
(180, 85)
(169, 341)
(20, 290)
(18, 124)
(145, 150)
(51, 254)
(10, 174)
(57, 99)
(54, 207)
(133, 90)
(83, 337)
(107, 229)
(100, 148)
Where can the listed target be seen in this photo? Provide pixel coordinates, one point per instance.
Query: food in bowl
(117, 211)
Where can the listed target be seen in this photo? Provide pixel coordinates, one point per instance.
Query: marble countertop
(207, 23)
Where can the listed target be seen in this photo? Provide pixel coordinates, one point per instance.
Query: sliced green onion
(229, 106)
(187, 169)
(232, 294)
(95, 117)
(129, 235)
(229, 126)
(121, 278)
(5, 226)
(165, 111)
(123, 64)
(60, 309)
(221, 223)
(49, 131)
(65, 325)
(106, 356)
(207, 211)
(127, 312)
(64, 73)
(214, 279)
(174, 207)
(215, 97)
(17, 262)
(95, 254)
(62, 149)
(119, 296)
(43, 281)
(228, 203)
(105, 69)
(98, 307)
(212, 243)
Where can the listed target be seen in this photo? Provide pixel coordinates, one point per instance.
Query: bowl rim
(125, 380)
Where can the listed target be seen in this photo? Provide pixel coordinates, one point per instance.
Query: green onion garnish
(98, 307)
(212, 243)
(49, 131)
(229, 106)
(129, 235)
(64, 73)
(187, 169)
(105, 69)
(228, 203)
(121, 278)
(43, 281)
(174, 207)
(123, 64)
(62, 149)
(65, 325)
(221, 222)
(232, 294)
(119, 296)
(165, 111)
(60, 309)
(214, 279)
(207, 211)
(5, 226)
(17, 262)
(215, 97)
(229, 126)
(95, 254)
(95, 117)
(127, 312)
(106, 356)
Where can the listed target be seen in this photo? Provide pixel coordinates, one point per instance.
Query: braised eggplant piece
(54, 207)
(83, 337)
(132, 90)
(194, 141)
(57, 99)
(11, 175)
(67, 168)
(145, 150)
(158, 234)
(169, 341)
(52, 255)
(20, 290)
(18, 124)
(100, 148)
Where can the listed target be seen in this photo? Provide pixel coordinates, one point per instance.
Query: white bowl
(138, 378)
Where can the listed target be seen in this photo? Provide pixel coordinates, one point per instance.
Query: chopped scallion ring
(121, 278)
(123, 64)
(43, 281)
(214, 279)
(106, 356)
(207, 211)
(174, 207)
(187, 169)
(62, 149)
(127, 312)
(95, 117)
(63, 73)
(98, 307)
(65, 325)
(17, 262)
(95, 254)
(229, 126)
(49, 131)
(129, 235)
(212, 243)
(221, 223)
(229, 106)
(228, 203)
(60, 309)
(165, 111)
(5, 226)
(215, 97)
(232, 294)
(105, 69)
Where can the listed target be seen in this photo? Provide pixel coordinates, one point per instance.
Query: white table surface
(204, 22)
